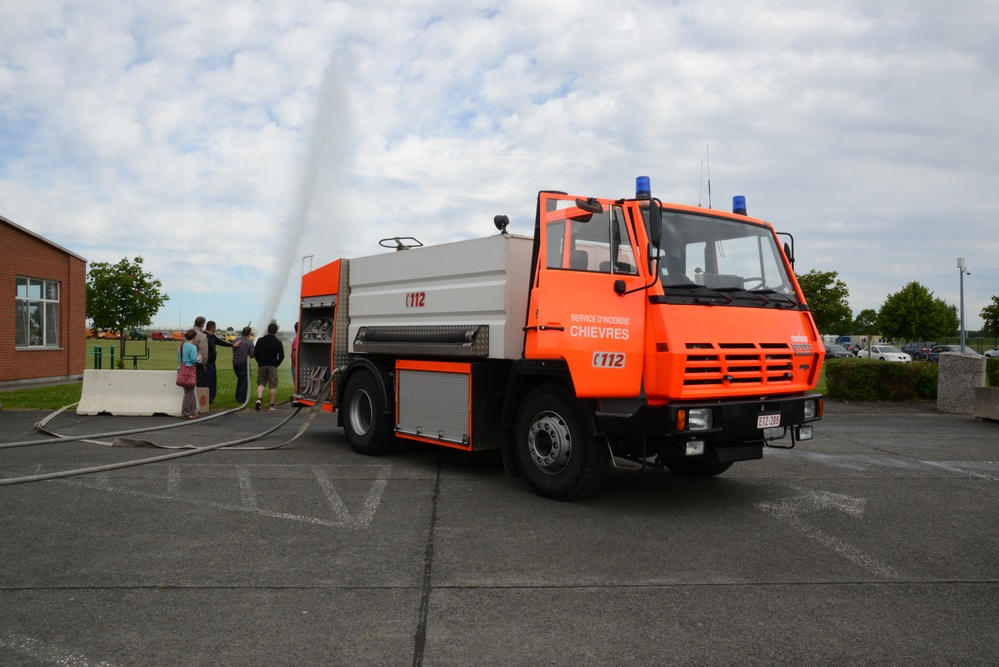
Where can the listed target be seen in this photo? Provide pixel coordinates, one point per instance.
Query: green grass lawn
(162, 356)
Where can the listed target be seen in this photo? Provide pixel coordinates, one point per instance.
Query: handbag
(186, 376)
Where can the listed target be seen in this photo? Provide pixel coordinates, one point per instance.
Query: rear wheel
(556, 454)
(367, 429)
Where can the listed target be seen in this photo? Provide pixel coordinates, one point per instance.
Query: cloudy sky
(223, 141)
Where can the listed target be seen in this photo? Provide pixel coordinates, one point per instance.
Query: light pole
(963, 270)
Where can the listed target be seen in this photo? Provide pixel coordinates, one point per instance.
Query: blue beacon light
(739, 205)
(643, 188)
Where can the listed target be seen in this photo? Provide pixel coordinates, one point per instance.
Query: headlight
(699, 419)
(694, 448)
(811, 409)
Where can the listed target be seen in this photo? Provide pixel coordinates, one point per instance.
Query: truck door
(575, 312)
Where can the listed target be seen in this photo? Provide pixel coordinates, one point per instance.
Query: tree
(121, 296)
(990, 317)
(914, 314)
(827, 298)
(866, 322)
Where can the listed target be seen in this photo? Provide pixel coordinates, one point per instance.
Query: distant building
(42, 332)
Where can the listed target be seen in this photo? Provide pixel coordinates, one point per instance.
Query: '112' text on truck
(628, 331)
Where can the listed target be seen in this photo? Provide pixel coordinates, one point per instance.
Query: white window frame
(47, 302)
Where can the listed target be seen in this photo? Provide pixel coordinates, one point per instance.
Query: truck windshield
(738, 261)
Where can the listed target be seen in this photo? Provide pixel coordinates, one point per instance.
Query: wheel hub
(549, 443)
(360, 413)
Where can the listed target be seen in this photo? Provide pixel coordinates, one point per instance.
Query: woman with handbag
(187, 359)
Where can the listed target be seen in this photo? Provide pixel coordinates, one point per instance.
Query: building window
(36, 313)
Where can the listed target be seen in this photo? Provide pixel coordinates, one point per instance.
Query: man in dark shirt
(269, 353)
(211, 379)
(242, 352)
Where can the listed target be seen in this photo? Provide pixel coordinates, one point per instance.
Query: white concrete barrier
(130, 393)
(987, 403)
(958, 376)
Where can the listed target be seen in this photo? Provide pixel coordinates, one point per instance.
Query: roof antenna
(707, 150)
(700, 186)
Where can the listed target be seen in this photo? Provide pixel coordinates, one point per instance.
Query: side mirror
(588, 208)
(655, 221)
(590, 205)
(788, 248)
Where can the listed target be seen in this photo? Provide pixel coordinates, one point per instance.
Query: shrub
(992, 372)
(875, 380)
(926, 381)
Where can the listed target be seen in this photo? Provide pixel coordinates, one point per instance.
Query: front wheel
(557, 455)
(367, 429)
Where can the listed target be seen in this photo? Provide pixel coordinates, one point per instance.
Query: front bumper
(734, 423)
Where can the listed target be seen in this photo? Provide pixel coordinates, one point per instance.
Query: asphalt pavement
(875, 543)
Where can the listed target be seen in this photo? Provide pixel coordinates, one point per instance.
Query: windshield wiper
(690, 287)
(743, 290)
(782, 298)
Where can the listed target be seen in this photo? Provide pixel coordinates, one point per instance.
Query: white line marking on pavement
(869, 461)
(30, 647)
(173, 479)
(102, 481)
(371, 502)
(342, 517)
(960, 467)
(246, 488)
(790, 511)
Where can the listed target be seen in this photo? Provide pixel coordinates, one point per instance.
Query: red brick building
(43, 328)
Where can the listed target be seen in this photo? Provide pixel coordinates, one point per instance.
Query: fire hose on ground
(188, 450)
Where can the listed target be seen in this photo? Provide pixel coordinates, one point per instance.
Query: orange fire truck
(628, 332)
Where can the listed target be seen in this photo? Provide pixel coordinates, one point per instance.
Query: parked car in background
(884, 353)
(937, 350)
(838, 352)
(159, 335)
(851, 348)
(918, 349)
(994, 352)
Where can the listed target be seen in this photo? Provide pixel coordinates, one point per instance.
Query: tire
(557, 455)
(695, 468)
(368, 430)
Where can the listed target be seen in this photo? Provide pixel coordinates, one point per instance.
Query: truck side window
(600, 243)
(555, 235)
(595, 242)
(591, 243)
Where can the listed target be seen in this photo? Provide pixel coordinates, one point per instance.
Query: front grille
(719, 364)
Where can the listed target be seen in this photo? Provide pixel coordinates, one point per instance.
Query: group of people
(199, 350)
